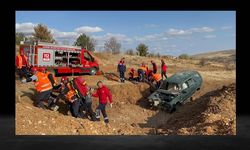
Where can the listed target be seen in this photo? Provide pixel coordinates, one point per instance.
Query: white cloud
(181, 32)
(178, 32)
(202, 29)
(101, 39)
(172, 33)
(226, 27)
(64, 35)
(151, 37)
(88, 29)
(107, 36)
(209, 36)
(26, 28)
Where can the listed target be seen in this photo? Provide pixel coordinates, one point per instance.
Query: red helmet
(64, 79)
(42, 69)
(33, 69)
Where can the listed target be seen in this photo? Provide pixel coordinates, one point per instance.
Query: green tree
(112, 45)
(184, 56)
(43, 34)
(142, 49)
(85, 42)
(19, 37)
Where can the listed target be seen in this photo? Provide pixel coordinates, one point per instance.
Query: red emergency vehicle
(60, 58)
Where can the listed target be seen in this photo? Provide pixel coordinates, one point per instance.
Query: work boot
(54, 107)
(106, 120)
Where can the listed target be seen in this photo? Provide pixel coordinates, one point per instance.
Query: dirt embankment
(124, 116)
(212, 114)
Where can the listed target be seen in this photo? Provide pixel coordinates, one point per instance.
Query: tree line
(43, 34)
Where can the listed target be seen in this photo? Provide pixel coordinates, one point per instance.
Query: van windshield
(170, 86)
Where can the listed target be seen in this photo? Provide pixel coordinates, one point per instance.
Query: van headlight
(156, 103)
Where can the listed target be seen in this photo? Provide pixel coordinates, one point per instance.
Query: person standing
(163, 69)
(121, 68)
(157, 78)
(88, 104)
(103, 94)
(22, 65)
(154, 66)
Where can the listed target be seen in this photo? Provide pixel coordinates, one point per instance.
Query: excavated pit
(130, 114)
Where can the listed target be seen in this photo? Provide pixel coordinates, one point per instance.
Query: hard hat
(33, 69)
(42, 69)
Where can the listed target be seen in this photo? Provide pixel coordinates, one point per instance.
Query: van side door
(87, 60)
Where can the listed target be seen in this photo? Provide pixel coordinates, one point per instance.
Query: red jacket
(81, 88)
(164, 67)
(154, 67)
(103, 93)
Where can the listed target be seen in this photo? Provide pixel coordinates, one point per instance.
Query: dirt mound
(212, 113)
(124, 116)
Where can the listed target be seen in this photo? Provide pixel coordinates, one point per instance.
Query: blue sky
(166, 32)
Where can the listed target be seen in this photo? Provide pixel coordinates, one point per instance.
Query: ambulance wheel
(93, 71)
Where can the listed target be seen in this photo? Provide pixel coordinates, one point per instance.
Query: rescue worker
(53, 99)
(88, 104)
(133, 75)
(157, 78)
(163, 69)
(103, 93)
(42, 84)
(22, 65)
(142, 71)
(121, 68)
(154, 66)
(144, 67)
(64, 81)
(51, 77)
(73, 92)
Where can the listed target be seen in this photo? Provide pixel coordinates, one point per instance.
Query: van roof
(181, 77)
(57, 45)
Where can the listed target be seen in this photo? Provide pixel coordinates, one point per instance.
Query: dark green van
(176, 90)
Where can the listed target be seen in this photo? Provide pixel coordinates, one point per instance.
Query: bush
(184, 56)
(130, 52)
(203, 62)
(151, 55)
